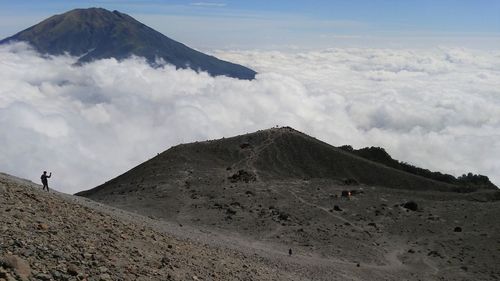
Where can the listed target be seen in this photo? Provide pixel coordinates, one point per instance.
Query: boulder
(20, 266)
(410, 205)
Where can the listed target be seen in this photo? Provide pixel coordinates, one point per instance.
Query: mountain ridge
(96, 33)
(304, 162)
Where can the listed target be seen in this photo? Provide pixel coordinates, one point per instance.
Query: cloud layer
(436, 108)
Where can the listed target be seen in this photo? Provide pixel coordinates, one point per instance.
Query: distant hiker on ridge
(45, 182)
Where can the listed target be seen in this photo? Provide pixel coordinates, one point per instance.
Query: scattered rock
(20, 266)
(72, 270)
(350, 181)
(283, 216)
(457, 229)
(235, 204)
(434, 254)
(42, 226)
(242, 175)
(248, 192)
(57, 275)
(103, 269)
(244, 145)
(104, 277)
(43, 276)
(165, 260)
(410, 205)
(230, 211)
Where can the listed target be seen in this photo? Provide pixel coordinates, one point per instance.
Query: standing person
(44, 178)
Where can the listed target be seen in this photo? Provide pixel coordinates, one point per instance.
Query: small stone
(42, 226)
(20, 266)
(411, 205)
(56, 274)
(72, 270)
(103, 269)
(43, 276)
(58, 254)
(165, 260)
(104, 277)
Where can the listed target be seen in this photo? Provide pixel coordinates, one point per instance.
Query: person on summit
(45, 182)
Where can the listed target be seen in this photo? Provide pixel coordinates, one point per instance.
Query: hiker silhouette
(45, 182)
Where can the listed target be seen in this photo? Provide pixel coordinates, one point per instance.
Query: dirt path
(249, 161)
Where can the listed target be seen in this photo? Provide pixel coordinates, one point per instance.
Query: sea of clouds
(436, 108)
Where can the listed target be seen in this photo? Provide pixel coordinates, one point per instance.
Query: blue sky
(293, 23)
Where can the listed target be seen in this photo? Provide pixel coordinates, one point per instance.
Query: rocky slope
(97, 33)
(377, 234)
(51, 236)
(279, 189)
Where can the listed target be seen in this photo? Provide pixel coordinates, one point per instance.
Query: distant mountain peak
(97, 33)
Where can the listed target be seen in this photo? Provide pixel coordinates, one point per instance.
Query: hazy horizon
(292, 24)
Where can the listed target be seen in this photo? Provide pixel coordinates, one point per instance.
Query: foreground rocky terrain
(51, 236)
(376, 235)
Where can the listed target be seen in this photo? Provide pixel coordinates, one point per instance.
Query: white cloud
(438, 108)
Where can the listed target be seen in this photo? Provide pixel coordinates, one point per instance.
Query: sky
(292, 23)
(421, 80)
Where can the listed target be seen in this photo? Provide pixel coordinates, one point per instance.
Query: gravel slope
(55, 236)
(61, 237)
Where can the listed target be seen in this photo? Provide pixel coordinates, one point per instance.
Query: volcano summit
(97, 33)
